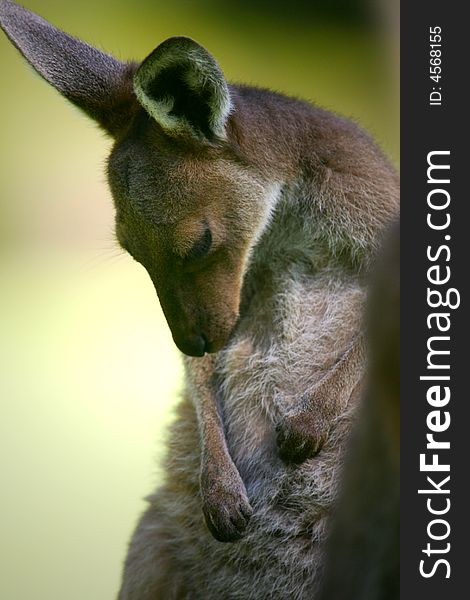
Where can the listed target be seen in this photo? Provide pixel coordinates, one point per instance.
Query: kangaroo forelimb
(303, 430)
(224, 500)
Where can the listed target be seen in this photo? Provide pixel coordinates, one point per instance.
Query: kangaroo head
(189, 212)
(189, 208)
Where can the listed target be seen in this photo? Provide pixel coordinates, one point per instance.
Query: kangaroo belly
(277, 357)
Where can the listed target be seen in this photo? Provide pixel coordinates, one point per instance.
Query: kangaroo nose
(204, 342)
(196, 345)
(202, 345)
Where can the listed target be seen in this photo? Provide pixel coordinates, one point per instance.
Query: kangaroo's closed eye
(202, 246)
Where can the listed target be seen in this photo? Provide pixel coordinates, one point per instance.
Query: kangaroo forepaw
(299, 437)
(226, 507)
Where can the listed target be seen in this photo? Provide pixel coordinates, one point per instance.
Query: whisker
(104, 255)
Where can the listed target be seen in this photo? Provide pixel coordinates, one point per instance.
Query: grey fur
(296, 199)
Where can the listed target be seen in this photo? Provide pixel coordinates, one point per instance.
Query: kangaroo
(257, 217)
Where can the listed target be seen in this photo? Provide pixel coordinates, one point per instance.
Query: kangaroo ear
(97, 83)
(183, 88)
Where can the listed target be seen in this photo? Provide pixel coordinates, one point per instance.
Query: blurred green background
(88, 369)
